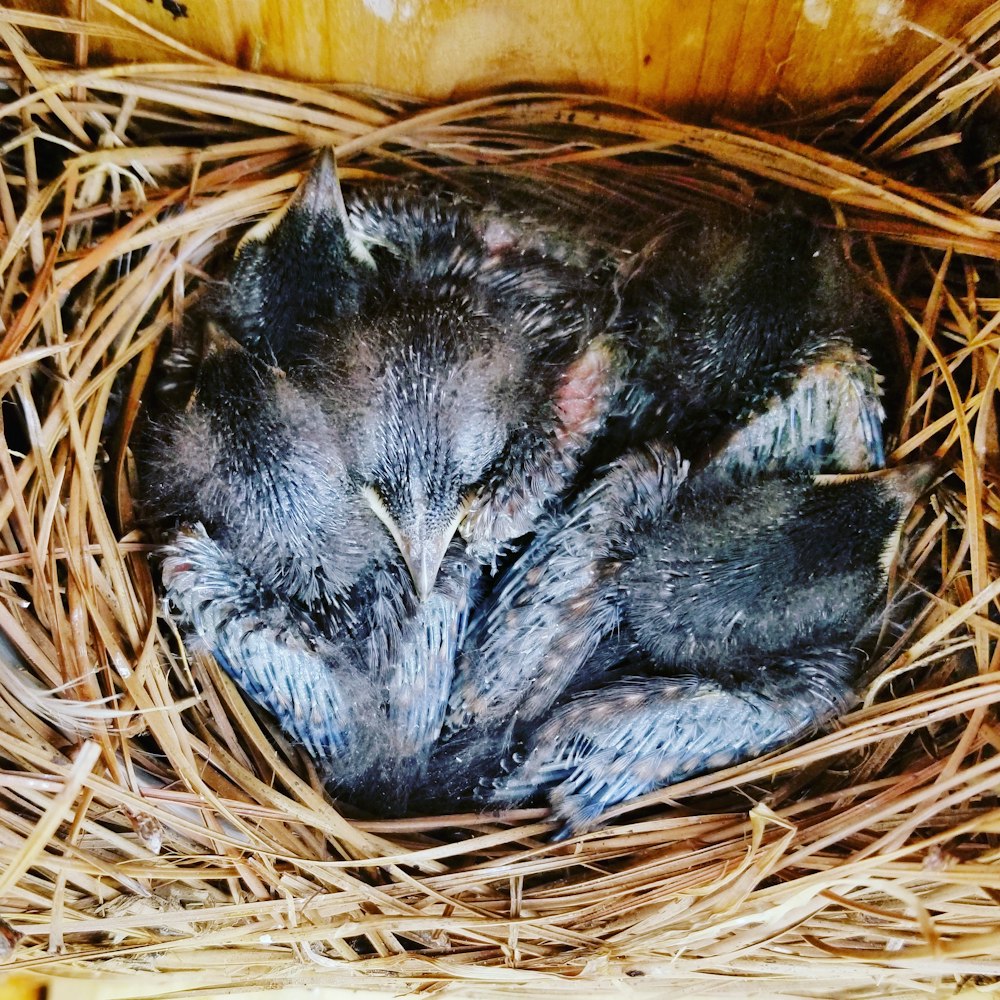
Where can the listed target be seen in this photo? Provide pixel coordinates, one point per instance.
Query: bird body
(738, 616)
(481, 514)
(761, 566)
(737, 319)
(395, 388)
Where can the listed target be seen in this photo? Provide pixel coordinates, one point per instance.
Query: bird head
(457, 358)
(425, 410)
(251, 456)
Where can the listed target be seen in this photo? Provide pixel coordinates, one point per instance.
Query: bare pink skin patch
(581, 402)
(582, 397)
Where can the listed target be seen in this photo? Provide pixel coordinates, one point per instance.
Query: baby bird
(751, 336)
(751, 356)
(395, 387)
(742, 612)
(668, 590)
(717, 623)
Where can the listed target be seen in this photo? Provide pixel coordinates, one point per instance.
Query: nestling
(396, 386)
(747, 347)
(751, 336)
(673, 619)
(718, 621)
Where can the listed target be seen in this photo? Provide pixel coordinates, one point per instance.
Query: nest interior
(154, 821)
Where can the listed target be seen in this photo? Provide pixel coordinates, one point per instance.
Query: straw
(153, 821)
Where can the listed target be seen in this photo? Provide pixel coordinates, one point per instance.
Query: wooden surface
(23, 988)
(18, 988)
(735, 55)
(155, 986)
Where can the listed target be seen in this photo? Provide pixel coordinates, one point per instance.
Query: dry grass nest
(153, 821)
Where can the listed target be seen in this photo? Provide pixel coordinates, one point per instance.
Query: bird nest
(153, 821)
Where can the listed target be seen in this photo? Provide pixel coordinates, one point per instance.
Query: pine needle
(151, 821)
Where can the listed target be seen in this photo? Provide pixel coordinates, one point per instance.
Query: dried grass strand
(152, 821)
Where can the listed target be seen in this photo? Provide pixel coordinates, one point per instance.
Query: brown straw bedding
(151, 821)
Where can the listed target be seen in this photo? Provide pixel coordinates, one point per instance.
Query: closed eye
(373, 495)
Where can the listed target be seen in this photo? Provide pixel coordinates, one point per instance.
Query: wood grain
(24, 988)
(737, 56)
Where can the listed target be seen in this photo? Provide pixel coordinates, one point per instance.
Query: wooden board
(737, 56)
(24, 988)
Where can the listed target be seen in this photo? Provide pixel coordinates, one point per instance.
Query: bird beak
(423, 551)
(423, 557)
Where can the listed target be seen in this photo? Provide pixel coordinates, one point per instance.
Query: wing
(560, 598)
(830, 420)
(723, 319)
(415, 674)
(614, 744)
(316, 688)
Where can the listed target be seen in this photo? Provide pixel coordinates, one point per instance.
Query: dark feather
(726, 317)
(739, 605)
(387, 375)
